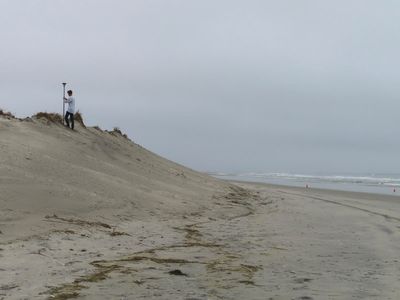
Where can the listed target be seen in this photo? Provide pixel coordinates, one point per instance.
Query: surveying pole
(64, 84)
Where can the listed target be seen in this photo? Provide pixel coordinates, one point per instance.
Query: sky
(217, 85)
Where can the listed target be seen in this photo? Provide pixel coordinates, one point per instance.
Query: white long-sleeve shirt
(71, 104)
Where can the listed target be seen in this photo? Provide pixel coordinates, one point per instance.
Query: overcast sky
(217, 85)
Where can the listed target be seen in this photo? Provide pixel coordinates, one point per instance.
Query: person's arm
(67, 100)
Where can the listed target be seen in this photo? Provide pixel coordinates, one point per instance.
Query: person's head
(69, 93)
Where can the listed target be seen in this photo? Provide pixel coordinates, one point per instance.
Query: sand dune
(46, 169)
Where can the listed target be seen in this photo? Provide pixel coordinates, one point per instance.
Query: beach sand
(91, 215)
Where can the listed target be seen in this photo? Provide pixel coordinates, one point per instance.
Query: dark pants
(69, 116)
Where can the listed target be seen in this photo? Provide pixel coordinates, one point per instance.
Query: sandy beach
(91, 215)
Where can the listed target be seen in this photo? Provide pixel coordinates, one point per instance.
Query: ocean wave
(362, 179)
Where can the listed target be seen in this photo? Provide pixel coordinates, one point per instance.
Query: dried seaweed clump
(6, 114)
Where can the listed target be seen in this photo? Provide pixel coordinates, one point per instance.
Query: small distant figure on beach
(69, 116)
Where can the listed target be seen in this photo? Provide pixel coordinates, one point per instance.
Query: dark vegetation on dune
(116, 130)
(6, 114)
(57, 119)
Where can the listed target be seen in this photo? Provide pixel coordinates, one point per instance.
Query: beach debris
(302, 280)
(8, 286)
(40, 252)
(247, 282)
(67, 291)
(66, 231)
(118, 233)
(177, 272)
(78, 221)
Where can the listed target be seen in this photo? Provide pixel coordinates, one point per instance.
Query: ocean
(368, 183)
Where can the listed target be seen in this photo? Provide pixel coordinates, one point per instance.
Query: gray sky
(221, 85)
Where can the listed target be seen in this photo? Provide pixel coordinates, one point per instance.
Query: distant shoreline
(376, 187)
(331, 192)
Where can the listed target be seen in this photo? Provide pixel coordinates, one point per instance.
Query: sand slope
(46, 169)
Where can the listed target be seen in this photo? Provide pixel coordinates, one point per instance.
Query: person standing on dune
(71, 109)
